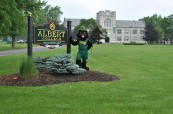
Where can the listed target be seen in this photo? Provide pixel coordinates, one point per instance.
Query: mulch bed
(43, 78)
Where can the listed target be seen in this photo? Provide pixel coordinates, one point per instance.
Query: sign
(50, 32)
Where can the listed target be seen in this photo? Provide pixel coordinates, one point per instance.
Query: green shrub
(27, 68)
(60, 64)
(133, 43)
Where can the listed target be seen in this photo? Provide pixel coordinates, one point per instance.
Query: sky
(125, 9)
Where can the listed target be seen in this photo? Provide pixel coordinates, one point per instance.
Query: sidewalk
(18, 51)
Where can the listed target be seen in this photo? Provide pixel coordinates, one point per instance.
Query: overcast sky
(125, 9)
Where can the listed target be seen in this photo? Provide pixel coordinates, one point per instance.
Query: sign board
(50, 32)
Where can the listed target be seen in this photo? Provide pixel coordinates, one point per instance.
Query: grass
(4, 46)
(145, 85)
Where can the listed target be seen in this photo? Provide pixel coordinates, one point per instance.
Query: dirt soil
(43, 78)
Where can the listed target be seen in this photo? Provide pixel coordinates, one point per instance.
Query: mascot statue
(84, 44)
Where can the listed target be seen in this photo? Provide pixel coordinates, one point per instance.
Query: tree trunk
(13, 42)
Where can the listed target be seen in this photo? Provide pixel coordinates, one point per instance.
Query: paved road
(18, 51)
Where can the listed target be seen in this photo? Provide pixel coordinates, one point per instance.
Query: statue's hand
(74, 41)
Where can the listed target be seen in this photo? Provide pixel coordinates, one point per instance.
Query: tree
(13, 16)
(48, 13)
(167, 25)
(4, 15)
(96, 32)
(30, 5)
(153, 28)
(150, 32)
(19, 26)
(96, 35)
(8, 10)
(87, 24)
(11, 19)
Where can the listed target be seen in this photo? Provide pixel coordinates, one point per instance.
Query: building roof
(129, 23)
(119, 23)
(74, 21)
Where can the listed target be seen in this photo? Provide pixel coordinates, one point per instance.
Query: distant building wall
(107, 19)
(119, 31)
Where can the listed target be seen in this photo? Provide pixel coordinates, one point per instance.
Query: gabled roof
(129, 24)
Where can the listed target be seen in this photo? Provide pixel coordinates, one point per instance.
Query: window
(119, 31)
(141, 38)
(107, 22)
(134, 38)
(118, 38)
(141, 31)
(126, 38)
(126, 31)
(115, 39)
(134, 31)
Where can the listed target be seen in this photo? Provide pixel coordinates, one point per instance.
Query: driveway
(18, 51)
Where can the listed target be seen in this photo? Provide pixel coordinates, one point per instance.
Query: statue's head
(82, 35)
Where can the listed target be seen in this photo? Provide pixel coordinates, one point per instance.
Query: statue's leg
(84, 58)
(78, 59)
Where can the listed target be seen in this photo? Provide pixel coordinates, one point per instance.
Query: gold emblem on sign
(52, 26)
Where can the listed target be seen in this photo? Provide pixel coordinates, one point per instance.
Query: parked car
(52, 45)
(101, 41)
(21, 41)
(43, 43)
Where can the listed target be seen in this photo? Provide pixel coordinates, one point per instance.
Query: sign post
(30, 34)
(68, 37)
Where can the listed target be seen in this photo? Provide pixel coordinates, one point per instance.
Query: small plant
(27, 68)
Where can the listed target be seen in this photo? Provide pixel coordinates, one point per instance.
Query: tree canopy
(48, 13)
(13, 16)
(158, 28)
(96, 32)
(86, 24)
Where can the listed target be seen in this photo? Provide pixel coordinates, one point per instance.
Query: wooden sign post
(30, 34)
(68, 37)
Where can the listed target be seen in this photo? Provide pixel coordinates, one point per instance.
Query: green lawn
(5, 46)
(145, 85)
